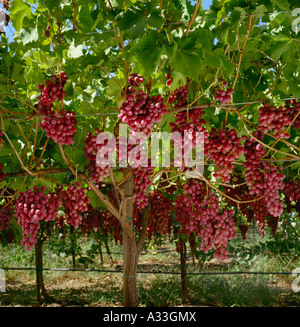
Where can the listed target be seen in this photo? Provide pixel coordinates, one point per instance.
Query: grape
(224, 148)
(179, 97)
(98, 173)
(200, 213)
(224, 95)
(243, 229)
(292, 108)
(32, 207)
(273, 223)
(141, 180)
(60, 126)
(50, 92)
(75, 202)
(291, 193)
(160, 216)
(273, 182)
(141, 111)
(253, 152)
(135, 80)
(5, 217)
(2, 175)
(263, 178)
(188, 123)
(276, 119)
(169, 80)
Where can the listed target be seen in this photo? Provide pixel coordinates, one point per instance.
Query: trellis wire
(182, 109)
(153, 271)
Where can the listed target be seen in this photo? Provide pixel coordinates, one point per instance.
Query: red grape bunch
(223, 95)
(224, 148)
(2, 174)
(273, 183)
(5, 217)
(276, 119)
(200, 213)
(224, 231)
(53, 90)
(140, 111)
(141, 181)
(188, 123)
(135, 80)
(179, 97)
(60, 126)
(160, 219)
(291, 192)
(262, 178)
(169, 80)
(75, 203)
(253, 152)
(32, 207)
(94, 148)
(293, 107)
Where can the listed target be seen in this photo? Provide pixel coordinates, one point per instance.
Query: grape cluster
(260, 212)
(52, 91)
(183, 214)
(224, 95)
(273, 224)
(141, 180)
(140, 111)
(160, 218)
(110, 224)
(134, 80)
(93, 220)
(7, 236)
(93, 148)
(5, 217)
(179, 97)
(188, 124)
(224, 231)
(2, 174)
(292, 108)
(224, 148)
(276, 119)
(169, 80)
(200, 213)
(273, 182)
(75, 202)
(32, 207)
(253, 152)
(241, 193)
(291, 193)
(60, 126)
(263, 178)
(243, 230)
